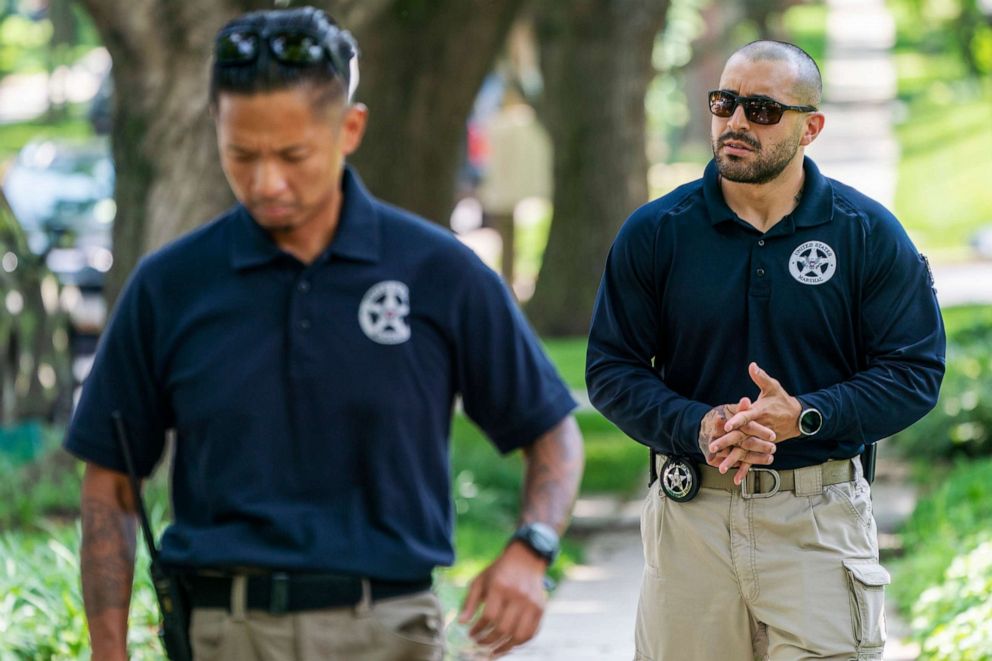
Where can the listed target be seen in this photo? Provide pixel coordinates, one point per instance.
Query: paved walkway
(857, 145)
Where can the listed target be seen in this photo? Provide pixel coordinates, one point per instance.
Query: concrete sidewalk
(591, 614)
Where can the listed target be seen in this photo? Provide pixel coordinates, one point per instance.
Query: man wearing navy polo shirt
(306, 348)
(759, 329)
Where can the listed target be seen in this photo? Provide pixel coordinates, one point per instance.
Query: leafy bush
(945, 580)
(46, 487)
(952, 618)
(961, 423)
(41, 607)
(944, 524)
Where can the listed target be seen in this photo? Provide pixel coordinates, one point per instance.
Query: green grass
(806, 25)
(945, 138)
(942, 196)
(15, 135)
(569, 356)
(962, 317)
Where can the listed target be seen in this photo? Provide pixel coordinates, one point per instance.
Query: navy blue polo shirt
(312, 403)
(833, 301)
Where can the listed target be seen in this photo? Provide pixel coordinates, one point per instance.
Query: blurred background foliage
(943, 55)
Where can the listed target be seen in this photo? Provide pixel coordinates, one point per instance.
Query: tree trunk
(424, 64)
(421, 66)
(168, 176)
(596, 60)
(702, 74)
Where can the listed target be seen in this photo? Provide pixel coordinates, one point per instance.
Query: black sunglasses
(291, 47)
(757, 109)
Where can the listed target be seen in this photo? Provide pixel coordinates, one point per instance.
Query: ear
(812, 128)
(353, 127)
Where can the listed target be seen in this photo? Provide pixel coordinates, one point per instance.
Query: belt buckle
(748, 495)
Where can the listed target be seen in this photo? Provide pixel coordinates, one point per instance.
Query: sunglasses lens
(296, 48)
(760, 111)
(722, 104)
(237, 47)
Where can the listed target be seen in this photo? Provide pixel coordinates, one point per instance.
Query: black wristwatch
(810, 420)
(540, 538)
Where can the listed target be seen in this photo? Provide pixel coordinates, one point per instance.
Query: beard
(764, 167)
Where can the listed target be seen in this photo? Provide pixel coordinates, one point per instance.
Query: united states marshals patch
(813, 263)
(383, 312)
(680, 479)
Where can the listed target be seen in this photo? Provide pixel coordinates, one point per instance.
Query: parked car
(35, 377)
(62, 195)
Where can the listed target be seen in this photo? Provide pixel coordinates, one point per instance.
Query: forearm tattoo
(554, 470)
(106, 556)
(711, 428)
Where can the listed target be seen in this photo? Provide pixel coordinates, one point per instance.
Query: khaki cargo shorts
(788, 576)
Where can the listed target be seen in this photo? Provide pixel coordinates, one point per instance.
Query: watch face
(542, 541)
(541, 538)
(810, 422)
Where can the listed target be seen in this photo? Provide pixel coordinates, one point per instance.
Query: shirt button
(761, 273)
(761, 242)
(304, 286)
(305, 324)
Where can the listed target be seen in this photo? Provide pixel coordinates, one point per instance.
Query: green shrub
(944, 524)
(945, 579)
(47, 487)
(41, 607)
(952, 618)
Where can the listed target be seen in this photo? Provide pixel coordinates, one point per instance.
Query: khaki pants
(408, 628)
(789, 577)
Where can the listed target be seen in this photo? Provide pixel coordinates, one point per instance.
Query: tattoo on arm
(711, 428)
(554, 470)
(107, 556)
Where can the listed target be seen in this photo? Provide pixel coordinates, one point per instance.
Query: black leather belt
(288, 593)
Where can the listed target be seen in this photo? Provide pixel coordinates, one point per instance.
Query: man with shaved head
(759, 329)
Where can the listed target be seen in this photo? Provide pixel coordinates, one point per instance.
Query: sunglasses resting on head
(291, 47)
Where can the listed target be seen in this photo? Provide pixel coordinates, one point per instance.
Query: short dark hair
(809, 83)
(333, 77)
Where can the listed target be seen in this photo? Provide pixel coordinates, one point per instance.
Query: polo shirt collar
(358, 235)
(815, 208)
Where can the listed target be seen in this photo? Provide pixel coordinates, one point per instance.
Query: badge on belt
(680, 479)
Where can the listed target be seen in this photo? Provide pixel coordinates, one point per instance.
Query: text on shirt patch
(813, 263)
(383, 311)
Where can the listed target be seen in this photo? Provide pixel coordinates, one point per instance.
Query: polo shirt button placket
(304, 286)
(761, 242)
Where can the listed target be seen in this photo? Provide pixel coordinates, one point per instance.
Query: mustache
(739, 137)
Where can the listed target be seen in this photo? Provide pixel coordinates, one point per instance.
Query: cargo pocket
(867, 581)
